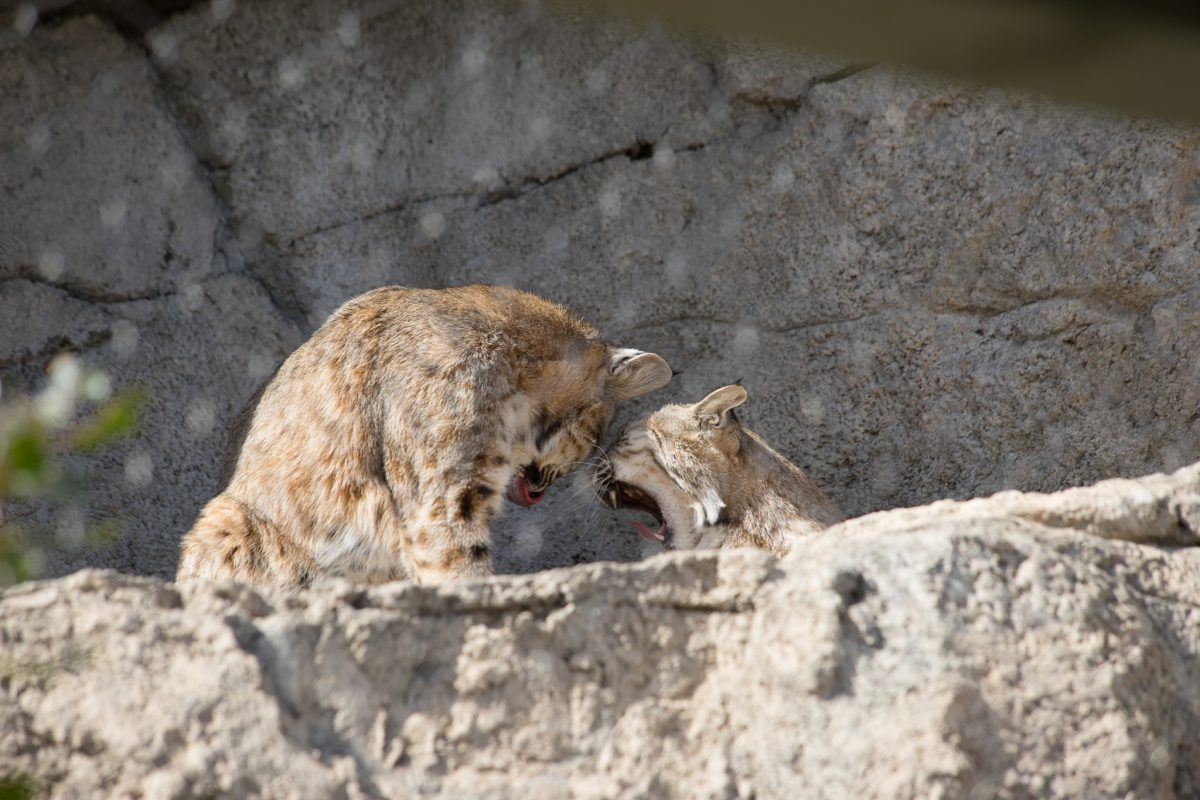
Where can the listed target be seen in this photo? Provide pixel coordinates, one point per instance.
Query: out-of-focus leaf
(17, 788)
(27, 450)
(115, 419)
(36, 434)
(104, 533)
(14, 564)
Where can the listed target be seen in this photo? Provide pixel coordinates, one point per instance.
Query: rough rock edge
(764, 645)
(1155, 509)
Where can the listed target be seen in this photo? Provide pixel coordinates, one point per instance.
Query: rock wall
(1000, 648)
(929, 291)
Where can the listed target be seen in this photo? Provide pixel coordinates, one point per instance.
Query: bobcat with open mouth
(710, 482)
(383, 446)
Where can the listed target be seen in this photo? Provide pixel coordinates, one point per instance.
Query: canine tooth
(612, 497)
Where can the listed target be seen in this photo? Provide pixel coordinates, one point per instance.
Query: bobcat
(709, 482)
(383, 445)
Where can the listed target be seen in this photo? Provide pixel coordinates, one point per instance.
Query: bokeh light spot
(38, 139)
(162, 44)
(597, 82)
(664, 158)
(782, 177)
(112, 213)
(52, 263)
(473, 61)
(124, 337)
(348, 29)
(290, 73)
(25, 19)
(433, 224)
(201, 416)
(221, 10)
(541, 128)
(745, 341)
(139, 469)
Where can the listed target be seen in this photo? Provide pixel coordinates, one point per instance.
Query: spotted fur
(383, 447)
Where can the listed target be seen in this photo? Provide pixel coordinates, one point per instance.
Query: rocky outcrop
(994, 648)
(928, 291)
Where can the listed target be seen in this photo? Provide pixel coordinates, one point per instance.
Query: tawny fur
(382, 447)
(716, 482)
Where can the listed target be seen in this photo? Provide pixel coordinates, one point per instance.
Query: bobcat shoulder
(709, 481)
(383, 446)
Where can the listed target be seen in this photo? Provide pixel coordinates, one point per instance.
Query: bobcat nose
(537, 478)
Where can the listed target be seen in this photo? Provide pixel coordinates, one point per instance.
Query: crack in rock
(640, 150)
(784, 106)
(56, 345)
(224, 241)
(395, 208)
(131, 20)
(84, 294)
(132, 23)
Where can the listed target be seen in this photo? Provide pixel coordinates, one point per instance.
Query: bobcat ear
(714, 409)
(633, 373)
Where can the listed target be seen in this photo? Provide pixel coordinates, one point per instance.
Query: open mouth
(522, 493)
(626, 495)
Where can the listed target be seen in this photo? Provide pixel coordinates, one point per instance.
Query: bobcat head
(675, 465)
(578, 395)
(708, 481)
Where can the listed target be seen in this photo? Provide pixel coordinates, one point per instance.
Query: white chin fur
(707, 510)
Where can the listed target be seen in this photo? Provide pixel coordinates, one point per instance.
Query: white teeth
(612, 497)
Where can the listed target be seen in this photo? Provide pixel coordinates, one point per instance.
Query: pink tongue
(519, 493)
(644, 530)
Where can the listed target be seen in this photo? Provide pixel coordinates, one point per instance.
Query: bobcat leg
(229, 542)
(452, 539)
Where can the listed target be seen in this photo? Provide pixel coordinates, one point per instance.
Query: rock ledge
(992, 648)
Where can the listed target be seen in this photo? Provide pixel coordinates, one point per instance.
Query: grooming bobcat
(709, 482)
(382, 447)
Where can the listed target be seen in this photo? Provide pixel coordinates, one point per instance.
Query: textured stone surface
(984, 649)
(928, 291)
(101, 193)
(114, 244)
(205, 348)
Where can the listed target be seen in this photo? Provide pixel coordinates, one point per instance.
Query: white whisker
(599, 450)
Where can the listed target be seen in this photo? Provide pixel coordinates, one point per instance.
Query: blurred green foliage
(17, 788)
(75, 413)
